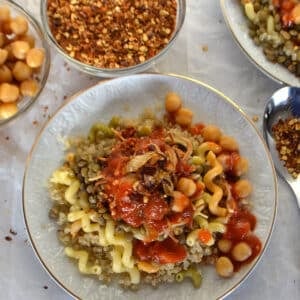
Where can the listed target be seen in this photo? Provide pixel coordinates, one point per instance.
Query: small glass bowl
(108, 72)
(35, 30)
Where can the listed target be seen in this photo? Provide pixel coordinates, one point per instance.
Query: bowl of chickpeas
(24, 61)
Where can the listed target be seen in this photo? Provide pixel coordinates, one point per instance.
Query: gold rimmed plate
(237, 23)
(129, 96)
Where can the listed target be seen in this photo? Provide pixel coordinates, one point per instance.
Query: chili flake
(287, 137)
(114, 33)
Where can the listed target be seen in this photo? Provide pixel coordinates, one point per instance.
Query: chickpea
(20, 49)
(224, 245)
(7, 110)
(229, 143)
(187, 186)
(180, 202)
(172, 102)
(35, 57)
(19, 25)
(10, 55)
(29, 87)
(241, 166)
(241, 251)
(242, 188)
(3, 39)
(225, 160)
(29, 39)
(211, 133)
(184, 116)
(4, 13)
(3, 56)
(21, 71)
(5, 74)
(9, 92)
(5, 27)
(224, 266)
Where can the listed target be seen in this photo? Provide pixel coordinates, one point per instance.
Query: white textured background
(222, 66)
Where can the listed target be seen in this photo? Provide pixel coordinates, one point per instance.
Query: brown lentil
(113, 33)
(287, 137)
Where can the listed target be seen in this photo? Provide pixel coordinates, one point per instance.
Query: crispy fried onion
(175, 138)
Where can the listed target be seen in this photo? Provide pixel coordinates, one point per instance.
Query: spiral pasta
(212, 187)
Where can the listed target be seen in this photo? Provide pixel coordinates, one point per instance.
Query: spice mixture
(287, 137)
(112, 34)
(274, 25)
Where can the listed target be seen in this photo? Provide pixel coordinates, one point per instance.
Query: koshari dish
(150, 200)
(274, 25)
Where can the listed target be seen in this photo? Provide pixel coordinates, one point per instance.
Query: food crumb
(12, 232)
(35, 122)
(45, 287)
(8, 238)
(65, 97)
(7, 138)
(204, 48)
(255, 118)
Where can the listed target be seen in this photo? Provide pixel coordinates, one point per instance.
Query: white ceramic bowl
(129, 96)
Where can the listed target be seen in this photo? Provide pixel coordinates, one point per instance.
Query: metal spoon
(284, 103)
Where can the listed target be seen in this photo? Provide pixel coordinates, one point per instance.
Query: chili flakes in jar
(112, 34)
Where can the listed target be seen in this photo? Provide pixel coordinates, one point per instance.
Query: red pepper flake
(8, 238)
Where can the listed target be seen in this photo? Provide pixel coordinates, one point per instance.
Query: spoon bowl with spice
(281, 126)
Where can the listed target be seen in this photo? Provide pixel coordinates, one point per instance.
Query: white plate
(237, 23)
(129, 96)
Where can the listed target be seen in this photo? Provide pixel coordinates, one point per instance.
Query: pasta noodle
(82, 257)
(212, 187)
(119, 240)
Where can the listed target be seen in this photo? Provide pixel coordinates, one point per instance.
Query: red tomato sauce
(154, 214)
(196, 129)
(166, 251)
(285, 8)
(239, 228)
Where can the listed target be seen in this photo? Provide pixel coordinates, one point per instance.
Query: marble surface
(223, 66)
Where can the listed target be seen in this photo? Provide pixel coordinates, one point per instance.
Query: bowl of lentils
(274, 25)
(112, 38)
